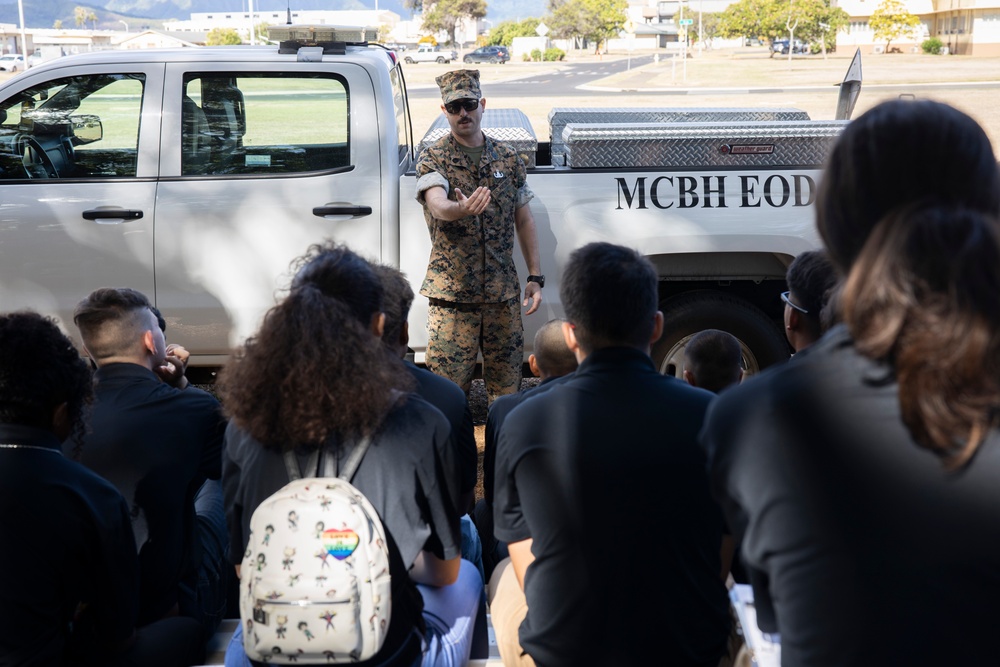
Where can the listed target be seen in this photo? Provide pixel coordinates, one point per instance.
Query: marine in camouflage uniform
(475, 199)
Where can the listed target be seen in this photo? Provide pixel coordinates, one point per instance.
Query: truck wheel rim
(673, 361)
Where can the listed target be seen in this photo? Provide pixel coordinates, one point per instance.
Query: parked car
(395, 46)
(781, 46)
(488, 54)
(430, 54)
(11, 62)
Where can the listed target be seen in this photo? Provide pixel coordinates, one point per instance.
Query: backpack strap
(312, 465)
(292, 465)
(351, 464)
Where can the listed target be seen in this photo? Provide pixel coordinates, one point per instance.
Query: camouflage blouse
(472, 258)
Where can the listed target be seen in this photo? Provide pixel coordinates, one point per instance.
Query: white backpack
(315, 576)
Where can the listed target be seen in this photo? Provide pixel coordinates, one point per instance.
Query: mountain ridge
(110, 13)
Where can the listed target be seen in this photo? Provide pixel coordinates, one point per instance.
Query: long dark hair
(895, 154)
(315, 371)
(924, 294)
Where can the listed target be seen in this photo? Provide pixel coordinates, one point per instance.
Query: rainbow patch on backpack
(340, 543)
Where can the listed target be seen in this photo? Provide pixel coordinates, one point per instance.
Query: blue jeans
(451, 614)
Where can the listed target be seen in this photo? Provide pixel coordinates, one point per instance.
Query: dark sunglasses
(454, 107)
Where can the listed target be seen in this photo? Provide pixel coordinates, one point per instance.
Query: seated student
(157, 439)
(713, 360)
(602, 494)
(322, 345)
(550, 361)
(863, 474)
(440, 392)
(811, 279)
(70, 592)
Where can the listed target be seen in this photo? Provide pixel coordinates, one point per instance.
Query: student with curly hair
(863, 476)
(316, 375)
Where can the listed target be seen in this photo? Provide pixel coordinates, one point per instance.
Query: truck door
(78, 160)
(260, 161)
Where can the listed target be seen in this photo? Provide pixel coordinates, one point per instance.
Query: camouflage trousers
(456, 332)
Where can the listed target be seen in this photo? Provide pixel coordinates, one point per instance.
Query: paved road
(560, 83)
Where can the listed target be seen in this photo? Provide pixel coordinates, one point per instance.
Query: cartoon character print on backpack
(320, 586)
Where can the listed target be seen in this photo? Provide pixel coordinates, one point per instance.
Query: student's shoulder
(433, 385)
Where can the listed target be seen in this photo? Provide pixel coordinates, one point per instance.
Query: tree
(57, 24)
(891, 20)
(445, 15)
(709, 27)
(223, 37)
(83, 14)
(503, 34)
(594, 20)
(753, 19)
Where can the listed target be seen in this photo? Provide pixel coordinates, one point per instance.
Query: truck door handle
(353, 211)
(112, 215)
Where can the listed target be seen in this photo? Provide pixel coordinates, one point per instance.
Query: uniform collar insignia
(497, 174)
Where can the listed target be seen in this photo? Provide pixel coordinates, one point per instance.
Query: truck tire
(408, 60)
(762, 340)
(441, 60)
(493, 60)
(467, 59)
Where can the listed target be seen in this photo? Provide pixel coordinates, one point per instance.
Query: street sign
(686, 21)
(629, 26)
(542, 30)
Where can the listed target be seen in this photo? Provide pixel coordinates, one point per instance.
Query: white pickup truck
(197, 175)
(430, 54)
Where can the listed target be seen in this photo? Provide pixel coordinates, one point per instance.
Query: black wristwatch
(537, 279)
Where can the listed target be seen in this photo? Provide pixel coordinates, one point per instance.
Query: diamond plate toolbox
(510, 126)
(560, 117)
(702, 145)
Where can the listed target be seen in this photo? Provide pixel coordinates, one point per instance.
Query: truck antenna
(288, 21)
(850, 89)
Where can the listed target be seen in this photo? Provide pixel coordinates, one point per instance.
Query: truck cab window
(76, 127)
(261, 123)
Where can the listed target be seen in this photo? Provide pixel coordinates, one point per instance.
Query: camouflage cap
(460, 84)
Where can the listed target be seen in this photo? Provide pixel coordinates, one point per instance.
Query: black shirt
(449, 398)
(157, 445)
(495, 416)
(604, 473)
(874, 554)
(67, 542)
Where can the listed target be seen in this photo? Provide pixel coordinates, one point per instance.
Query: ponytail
(924, 296)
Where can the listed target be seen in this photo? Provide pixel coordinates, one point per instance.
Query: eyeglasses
(454, 107)
(784, 297)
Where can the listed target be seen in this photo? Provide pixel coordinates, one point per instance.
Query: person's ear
(689, 378)
(657, 327)
(533, 365)
(62, 426)
(443, 110)
(378, 324)
(404, 334)
(794, 319)
(149, 342)
(569, 337)
(482, 103)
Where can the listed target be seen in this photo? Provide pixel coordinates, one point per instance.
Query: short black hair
(811, 277)
(553, 356)
(714, 358)
(396, 301)
(610, 296)
(40, 369)
(108, 317)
